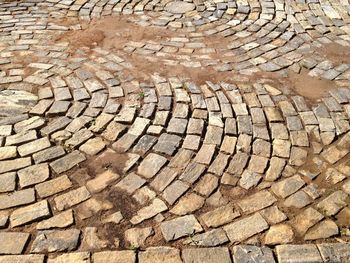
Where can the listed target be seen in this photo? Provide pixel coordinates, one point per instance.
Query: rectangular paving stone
(180, 227)
(8, 152)
(157, 206)
(256, 201)
(34, 146)
(33, 174)
(71, 198)
(206, 255)
(20, 138)
(298, 253)
(53, 186)
(13, 243)
(8, 182)
(127, 256)
(30, 213)
(22, 258)
(245, 228)
(334, 252)
(49, 154)
(150, 166)
(17, 198)
(247, 253)
(67, 162)
(13, 165)
(55, 125)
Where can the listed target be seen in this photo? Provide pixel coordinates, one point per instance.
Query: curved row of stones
(225, 164)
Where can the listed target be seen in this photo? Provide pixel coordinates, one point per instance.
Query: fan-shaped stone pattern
(88, 146)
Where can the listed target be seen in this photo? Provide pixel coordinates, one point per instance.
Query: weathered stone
(279, 234)
(23, 259)
(101, 181)
(151, 165)
(325, 229)
(174, 191)
(71, 198)
(34, 146)
(180, 227)
(220, 216)
(83, 257)
(8, 152)
(288, 186)
(257, 202)
(157, 206)
(247, 254)
(61, 220)
(159, 255)
(55, 241)
(188, 204)
(245, 228)
(53, 186)
(334, 252)
(124, 256)
(206, 255)
(298, 253)
(306, 219)
(29, 213)
(333, 203)
(33, 174)
(12, 165)
(137, 237)
(21, 197)
(67, 162)
(8, 182)
(13, 242)
(91, 241)
(130, 183)
(210, 238)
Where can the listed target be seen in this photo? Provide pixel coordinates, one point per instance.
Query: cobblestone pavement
(167, 131)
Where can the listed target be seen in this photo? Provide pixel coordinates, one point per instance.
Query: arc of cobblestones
(106, 160)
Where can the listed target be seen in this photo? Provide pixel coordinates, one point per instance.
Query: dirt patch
(107, 160)
(335, 52)
(112, 32)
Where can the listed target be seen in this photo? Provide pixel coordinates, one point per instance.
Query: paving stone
(124, 256)
(136, 237)
(13, 242)
(334, 252)
(130, 183)
(245, 228)
(101, 181)
(8, 182)
(151, 165)
(279, 234)
(246, 253)
(29, 213)
(306, 219)
(157, 206)
(71, 198)
(206, 255)
(333, 203)
(23, 258)
(180, 227)
(34, 146)
(53, 186)
(188, 204)
(71, 257)
(210, 238)
(298, 253)
(288, 186)
(257, 202)
(67, 162)
(160, 254)
(55, 241)
(325, 229)
(61, 220)
(17, 198)
(33, 174)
